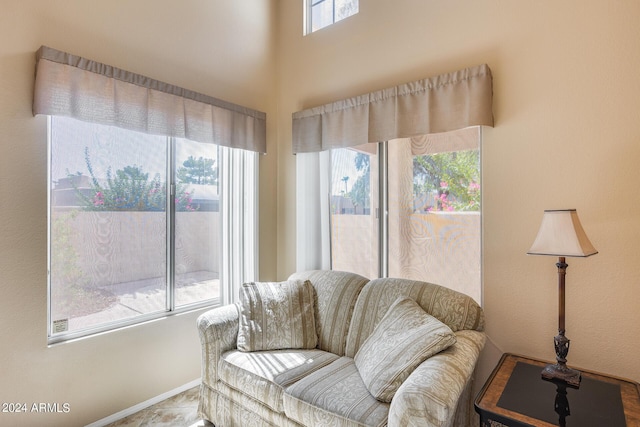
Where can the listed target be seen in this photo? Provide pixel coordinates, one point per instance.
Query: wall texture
(566, 135)
(220, 48)
(566, 101)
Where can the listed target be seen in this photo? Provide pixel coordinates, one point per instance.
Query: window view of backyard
(434, 210)
(126, 237)
(354, 210)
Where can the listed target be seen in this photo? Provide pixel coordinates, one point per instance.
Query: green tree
(130, 190)
(361, 189)
(198, 171)
(453, 176)
(345, 179)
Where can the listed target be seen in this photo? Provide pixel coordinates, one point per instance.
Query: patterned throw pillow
(277, 316)
(405, 337)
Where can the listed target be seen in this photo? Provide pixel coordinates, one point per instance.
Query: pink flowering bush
(468, 201)
(98, 199)
(447, 181)
(131, 190)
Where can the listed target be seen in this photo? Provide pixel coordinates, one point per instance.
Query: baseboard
(144, 405)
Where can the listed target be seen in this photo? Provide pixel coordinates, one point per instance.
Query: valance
(438, 104)
(72, 86)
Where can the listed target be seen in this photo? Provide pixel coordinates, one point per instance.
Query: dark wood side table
(515, 395)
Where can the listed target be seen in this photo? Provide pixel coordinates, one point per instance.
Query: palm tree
(345, 179)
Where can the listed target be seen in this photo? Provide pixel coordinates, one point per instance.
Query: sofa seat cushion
(334, 396)
(264, 375)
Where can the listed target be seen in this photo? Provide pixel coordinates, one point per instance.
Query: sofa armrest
(429, 397)
(218, 330)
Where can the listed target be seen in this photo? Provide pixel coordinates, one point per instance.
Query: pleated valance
(438, 104)
(68, 85)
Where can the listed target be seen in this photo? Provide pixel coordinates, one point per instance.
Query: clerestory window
(322, 13)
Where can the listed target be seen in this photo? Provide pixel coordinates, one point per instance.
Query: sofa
(388, 351)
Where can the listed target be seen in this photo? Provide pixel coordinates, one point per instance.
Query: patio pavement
(149, 295)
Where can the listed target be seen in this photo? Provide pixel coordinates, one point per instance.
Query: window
(354, 210)
(143, 221)
(431, 197)
(322, 13)
(134, 225)
(420, 217)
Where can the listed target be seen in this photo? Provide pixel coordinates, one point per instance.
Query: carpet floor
(180, 410)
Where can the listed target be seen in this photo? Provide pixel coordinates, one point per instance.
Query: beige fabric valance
(438, 104)
(68, 85)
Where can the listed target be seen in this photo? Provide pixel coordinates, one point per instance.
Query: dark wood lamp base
(562, 373)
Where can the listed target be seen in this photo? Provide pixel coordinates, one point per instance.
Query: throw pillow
(277, 316)
(405, 337)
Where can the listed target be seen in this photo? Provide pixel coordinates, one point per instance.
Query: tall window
(135, 226)
(355, 210)
(322, 13)
(430, 200)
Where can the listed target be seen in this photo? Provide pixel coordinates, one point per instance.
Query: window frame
(225, 287)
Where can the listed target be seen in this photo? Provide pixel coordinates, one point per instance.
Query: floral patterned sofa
(329, 348)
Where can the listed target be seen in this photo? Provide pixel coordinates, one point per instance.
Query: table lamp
(561, 235)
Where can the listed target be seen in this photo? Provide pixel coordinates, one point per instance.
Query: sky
(343, 164)
(115, 147)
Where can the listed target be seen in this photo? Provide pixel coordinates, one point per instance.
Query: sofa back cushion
(456, 310)
(404, 338)
(336, 293)
(276, 316)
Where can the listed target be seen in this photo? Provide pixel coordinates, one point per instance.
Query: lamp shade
(561, 234)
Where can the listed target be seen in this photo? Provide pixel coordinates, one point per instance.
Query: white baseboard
(140, 406)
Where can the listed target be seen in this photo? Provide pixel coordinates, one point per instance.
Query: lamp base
(561, 372)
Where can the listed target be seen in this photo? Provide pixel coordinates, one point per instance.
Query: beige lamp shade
(561, 234)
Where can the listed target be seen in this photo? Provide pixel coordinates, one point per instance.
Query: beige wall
(220, 48)
(566, 135)
(567, 96)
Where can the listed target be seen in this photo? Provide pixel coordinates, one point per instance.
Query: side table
(515, 395)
